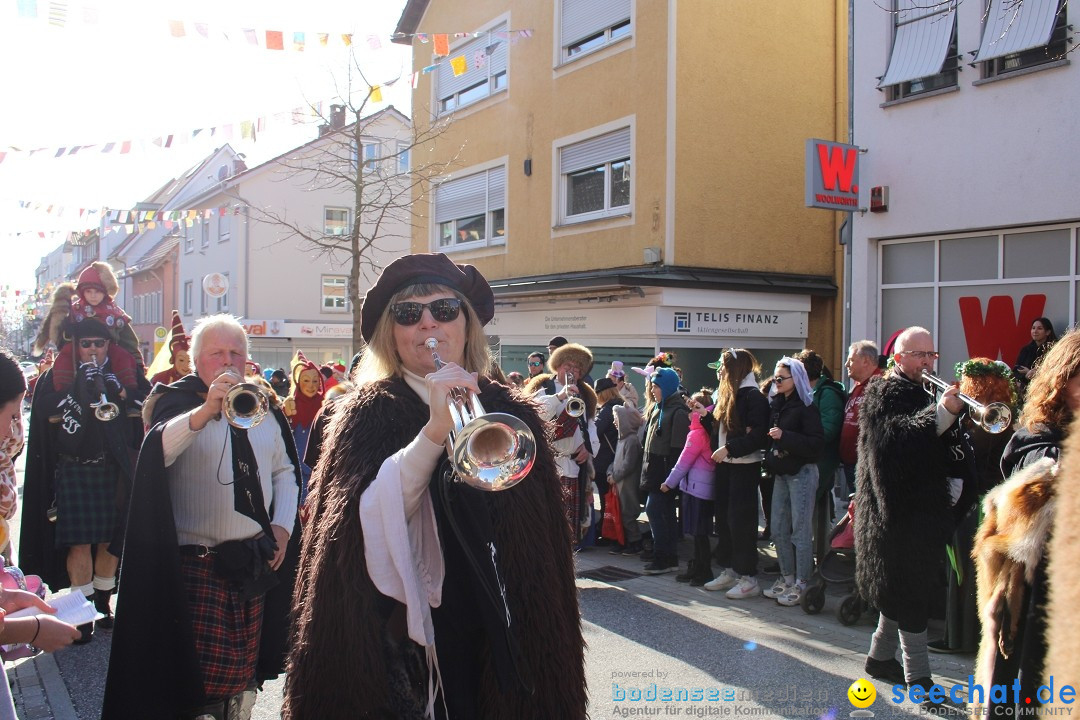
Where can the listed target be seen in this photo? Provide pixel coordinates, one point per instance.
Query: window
(202, 303)
(224, 227)
(204, 232)
(334, 297)
(1019, 36)
(924, 54)
(223, 301)
(595, 177)
(485, 60)
(589, 25)
(403, 151)
(371, 157)
(189, 239)
(471, 211)
(188, 286)
(336, 221)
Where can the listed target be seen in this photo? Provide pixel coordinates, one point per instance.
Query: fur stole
(1009, 546)
(1062, 621)
(342, 626)
(52, 328)
(536, 383)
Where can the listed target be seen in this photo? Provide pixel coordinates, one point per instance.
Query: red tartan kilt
(226, 630)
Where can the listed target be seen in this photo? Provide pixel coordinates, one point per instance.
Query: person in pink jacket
(693, 474)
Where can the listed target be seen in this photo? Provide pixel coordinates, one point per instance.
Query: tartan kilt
(226, 629)
(571, 502)
(85, 503)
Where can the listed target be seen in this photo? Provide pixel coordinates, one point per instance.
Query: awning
(923, 35)
(1013, 27)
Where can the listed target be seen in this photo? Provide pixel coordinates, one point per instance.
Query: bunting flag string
(57, 16)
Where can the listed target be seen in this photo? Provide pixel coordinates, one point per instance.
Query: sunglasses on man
(442, 310)
(97, 343)
(535, 363)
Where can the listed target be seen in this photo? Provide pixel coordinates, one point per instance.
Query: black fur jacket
(902, 513)
(341, 664)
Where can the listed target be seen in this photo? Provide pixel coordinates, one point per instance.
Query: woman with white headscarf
(797, 442)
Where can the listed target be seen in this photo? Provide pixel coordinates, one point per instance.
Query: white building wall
(989, 156)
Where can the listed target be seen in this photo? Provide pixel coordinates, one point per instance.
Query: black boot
(87, 633)
(689, 574)
(101, 604)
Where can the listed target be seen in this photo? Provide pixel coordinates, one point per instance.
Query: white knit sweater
(199, 470)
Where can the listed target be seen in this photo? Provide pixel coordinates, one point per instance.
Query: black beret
(431, 269)
(88, 328)
(604, 384)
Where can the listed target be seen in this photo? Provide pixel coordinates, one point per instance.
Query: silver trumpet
(994, 418)
(103, 409)
(489, 451)
(245, 405)
(575, 406)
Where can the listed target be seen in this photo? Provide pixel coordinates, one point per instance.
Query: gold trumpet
(244, 405)
(994, 418)
(575, 406)
(489, 451)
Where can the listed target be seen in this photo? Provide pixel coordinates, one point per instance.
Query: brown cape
(337, 667)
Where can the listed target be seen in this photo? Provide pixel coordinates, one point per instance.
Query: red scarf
(306, 407)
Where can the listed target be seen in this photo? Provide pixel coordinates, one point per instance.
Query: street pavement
(645, 635)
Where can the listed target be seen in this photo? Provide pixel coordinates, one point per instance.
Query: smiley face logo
(862, 693)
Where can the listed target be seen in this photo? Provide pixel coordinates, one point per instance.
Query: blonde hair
(380, 359)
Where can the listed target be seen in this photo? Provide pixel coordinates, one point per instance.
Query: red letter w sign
(832, 175)
(1001, 333)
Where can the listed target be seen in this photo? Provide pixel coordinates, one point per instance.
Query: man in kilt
(211, 547)
(77, 473)
(575, 439)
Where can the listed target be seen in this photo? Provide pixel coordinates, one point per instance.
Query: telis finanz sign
(731, 322)
(832, 175)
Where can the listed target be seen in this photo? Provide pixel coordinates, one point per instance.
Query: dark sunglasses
(535, 363)
(87, 344)
(781, 378)
(410, 313)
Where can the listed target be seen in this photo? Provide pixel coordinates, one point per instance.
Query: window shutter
(1014, 28)
(595, 151)
(448, 84)
(585, 18)
(461, 198)
(496, 188)
(921, 43)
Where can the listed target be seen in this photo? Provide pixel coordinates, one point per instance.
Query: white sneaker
(793, 596)
(723, 581)
(778, 589)
(747, 587)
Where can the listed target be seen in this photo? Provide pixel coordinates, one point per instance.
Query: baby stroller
(838, 566)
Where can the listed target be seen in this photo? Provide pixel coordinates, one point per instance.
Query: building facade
(967, 113)
(629, 174)
(260, 252)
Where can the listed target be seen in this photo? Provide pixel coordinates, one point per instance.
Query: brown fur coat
(1009, 546)
(587, 394)
(337, 666)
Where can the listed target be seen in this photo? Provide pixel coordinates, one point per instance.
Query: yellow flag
(459, 65)
(376, 94)
(161, 360)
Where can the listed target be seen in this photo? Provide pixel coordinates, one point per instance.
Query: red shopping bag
(613, 528)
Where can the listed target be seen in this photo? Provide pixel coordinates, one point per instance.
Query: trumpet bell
(994, 418)
(244, 405)
(575, 407)
(494, 452)
(106, 411)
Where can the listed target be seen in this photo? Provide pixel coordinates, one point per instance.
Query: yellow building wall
(753, 81)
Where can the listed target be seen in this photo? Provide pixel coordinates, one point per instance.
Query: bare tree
(384, 190)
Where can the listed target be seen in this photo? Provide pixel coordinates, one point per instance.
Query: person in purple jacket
(693, 474)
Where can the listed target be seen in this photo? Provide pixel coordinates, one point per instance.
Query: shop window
(973, 258)
(1037, 254)
(907, 263)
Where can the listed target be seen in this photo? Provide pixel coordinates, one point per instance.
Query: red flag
(275, 40)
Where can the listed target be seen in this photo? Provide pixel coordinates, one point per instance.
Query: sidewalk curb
(40, 692)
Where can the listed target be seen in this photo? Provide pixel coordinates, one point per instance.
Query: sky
(114, 72)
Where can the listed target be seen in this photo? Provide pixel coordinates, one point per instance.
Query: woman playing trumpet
(420, 596)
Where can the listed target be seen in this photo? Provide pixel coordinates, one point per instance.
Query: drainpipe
(850, 216)
(247, 261)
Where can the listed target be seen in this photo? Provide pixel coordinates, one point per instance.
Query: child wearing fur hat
(90, 300)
